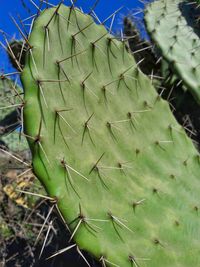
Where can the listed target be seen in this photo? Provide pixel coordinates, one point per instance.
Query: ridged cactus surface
(123, 173)
(174, 26)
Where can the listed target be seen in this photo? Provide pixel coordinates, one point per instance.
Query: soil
(19, 250)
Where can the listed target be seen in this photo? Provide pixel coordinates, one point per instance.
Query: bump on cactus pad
(123, 173)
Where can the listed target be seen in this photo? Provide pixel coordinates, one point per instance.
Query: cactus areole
(122, 171)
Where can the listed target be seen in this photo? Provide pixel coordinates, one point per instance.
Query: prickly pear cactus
(11, 96)
(174, 26)
(106, 147)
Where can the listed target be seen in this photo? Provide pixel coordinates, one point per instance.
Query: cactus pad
(10, 98)
(174, 27)
(106, 147)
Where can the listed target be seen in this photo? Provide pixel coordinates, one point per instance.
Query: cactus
(173, 25)
(10, 96)
(106, 147)
(10, 113)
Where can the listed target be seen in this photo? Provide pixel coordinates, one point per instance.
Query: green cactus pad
(174, 28)
(124, 174)
(11, 95)
(14, 142)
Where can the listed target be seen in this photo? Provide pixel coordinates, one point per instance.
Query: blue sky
(15, 9)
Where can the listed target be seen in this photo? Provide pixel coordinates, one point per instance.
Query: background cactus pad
(174, 26)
